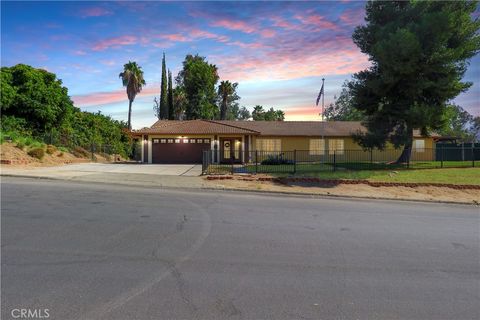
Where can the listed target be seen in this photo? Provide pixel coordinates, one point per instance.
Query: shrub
(60, 155)
(51, 149)
(20, 145)
(79, 152)
(62, 149)
(276, 160)
(38, 153)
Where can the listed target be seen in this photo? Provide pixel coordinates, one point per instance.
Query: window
(419, 145)
(192, 140)
(155, 140)
(335, 145)
(199, 140)
(170, 140)
(177, 140)
(185, 140)
(269, 144)
(206, 140)
(163, 140)
(316, 147)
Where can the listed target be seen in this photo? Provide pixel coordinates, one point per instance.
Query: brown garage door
(179, 150)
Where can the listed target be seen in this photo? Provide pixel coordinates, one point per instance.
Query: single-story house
(171, 141)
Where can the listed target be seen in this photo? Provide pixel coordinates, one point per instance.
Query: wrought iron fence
(309, 161)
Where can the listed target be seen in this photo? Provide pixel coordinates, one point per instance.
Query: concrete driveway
(133, 168)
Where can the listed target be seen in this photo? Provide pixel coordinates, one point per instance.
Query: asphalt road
(87, 251)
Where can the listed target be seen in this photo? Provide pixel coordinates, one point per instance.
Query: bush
(79, 152)
(276, 160)
(60, 155)
(38, 153)
(20, 145)
(51, 149)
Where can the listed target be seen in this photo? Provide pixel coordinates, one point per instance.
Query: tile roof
(264, 128)
(194, 127)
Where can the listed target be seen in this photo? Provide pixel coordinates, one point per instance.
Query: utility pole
(323, 97)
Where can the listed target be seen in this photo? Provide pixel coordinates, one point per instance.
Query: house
(169, 141)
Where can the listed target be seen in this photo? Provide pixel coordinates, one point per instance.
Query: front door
(231, 150)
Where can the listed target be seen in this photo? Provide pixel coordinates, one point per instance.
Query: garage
(179, 150)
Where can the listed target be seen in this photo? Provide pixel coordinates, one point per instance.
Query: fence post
(334, 160)
(441, 158)
(231, 161)
(408, 157)
(256, 161)
(473, 157)
(295, 161)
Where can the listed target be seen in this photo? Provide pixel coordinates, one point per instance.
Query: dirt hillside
(12, 156)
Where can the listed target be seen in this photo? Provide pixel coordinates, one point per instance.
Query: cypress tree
(171, 115)
(163, 92)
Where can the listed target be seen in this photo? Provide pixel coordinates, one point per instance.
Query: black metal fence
(309, 161)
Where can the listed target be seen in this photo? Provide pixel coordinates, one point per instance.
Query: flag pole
(323, 98)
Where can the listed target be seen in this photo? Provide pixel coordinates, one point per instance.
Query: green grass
(445, 175)
(440, 175)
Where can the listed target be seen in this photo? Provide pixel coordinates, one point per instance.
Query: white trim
(149, 149)
(142, 138)
(242, 148)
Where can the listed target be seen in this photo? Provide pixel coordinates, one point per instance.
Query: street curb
(203, 188)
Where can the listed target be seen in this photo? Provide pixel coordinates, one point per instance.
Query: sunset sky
(278, 52)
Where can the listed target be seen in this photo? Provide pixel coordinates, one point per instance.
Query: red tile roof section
(264, 128)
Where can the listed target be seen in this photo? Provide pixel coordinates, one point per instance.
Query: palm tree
(132, 79)
(225, 90)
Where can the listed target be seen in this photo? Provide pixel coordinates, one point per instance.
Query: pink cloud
(115, 42)
(102, 98)
(79, 53)
(174, 37)
(95, 12)
(234, 25)
(317, 21)
(353, 17)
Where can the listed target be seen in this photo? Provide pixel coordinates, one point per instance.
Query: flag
(320, 94)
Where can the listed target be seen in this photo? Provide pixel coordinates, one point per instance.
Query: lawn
(445, 175)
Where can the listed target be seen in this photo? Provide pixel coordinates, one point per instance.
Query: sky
(278, 52)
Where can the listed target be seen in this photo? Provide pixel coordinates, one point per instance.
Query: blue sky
(278, 52)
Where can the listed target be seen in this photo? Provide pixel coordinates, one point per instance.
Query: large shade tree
(132, 79)
(197, 80)
(419, 52)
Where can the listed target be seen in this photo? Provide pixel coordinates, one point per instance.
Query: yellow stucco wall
(352, 151)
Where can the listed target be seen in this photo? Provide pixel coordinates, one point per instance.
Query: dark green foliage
(419, 52)
(227, 97)
(342, 109)
(276, 160)
(38, 153)
(235, 112)
(34, 95)
(197, 80)
(171, 112)
(179, 103)
(259, 114)
(164, 92)
(27, 117)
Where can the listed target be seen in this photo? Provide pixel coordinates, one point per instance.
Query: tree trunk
(223, 111)
(130, 114)
(407, 149)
